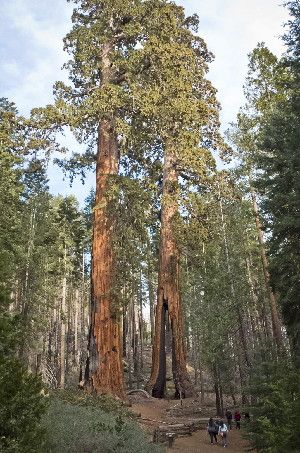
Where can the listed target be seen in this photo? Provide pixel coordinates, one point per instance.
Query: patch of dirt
(155, 412)
(152, 410)
(199, 442)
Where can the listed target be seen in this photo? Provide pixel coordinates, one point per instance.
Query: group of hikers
(219, 427)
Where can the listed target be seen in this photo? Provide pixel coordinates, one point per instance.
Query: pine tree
(22, 405)
(264, 85)
(271, 159)
(10, 187)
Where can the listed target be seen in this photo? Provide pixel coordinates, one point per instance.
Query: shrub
(21, 402)
(87, 424)
(275, 424)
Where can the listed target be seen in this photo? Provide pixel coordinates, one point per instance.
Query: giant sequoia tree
(100, 108)
(139, 90)
(97, 107)
(179, 105)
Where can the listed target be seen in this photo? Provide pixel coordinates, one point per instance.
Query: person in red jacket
(237, 418)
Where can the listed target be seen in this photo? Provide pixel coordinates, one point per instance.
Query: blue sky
(31, 52)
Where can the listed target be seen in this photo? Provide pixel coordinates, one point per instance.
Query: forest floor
(154, 412)
(199, 442)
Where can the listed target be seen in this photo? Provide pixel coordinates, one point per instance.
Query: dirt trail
(199, 442)
(154, 412)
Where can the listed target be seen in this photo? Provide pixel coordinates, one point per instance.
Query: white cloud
(45, 31)
(38, 50)
(10, 68)
(232, 28)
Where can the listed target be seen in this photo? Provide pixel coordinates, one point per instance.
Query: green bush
(21, 402)
(86, 424)
(21, 408)
(275, 423)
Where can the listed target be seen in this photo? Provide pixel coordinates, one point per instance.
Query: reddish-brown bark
(105, 347)
(168, 296)
(105, 359)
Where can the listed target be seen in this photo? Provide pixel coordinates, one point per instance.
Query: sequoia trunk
(105, 359)
(168, 296)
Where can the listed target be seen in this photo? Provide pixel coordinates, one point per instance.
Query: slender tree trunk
(124, 331)
(83, 317)
(242, 334)
(260, 328)
(262, 308)
(141, 322)
(256, 321)
(106, 368)
(217, 391)
(151, 303)
(242, 372)
(63, 327)
(276, 322)
(196, 360)
(69, 334)
(130, 342)
(30, 247)
(38, 363)
(168, 296)
(199, 367)
(136, 345)
(25, 308)
(232, 394)
(201, 382)
(76, 319)
(220, 391)
(55, 343)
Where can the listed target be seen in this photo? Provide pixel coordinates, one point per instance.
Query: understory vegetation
(83, 423)
(275, 409)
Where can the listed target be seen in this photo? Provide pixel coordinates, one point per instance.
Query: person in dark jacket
(237, 418)
(212, 429)
(229, 418)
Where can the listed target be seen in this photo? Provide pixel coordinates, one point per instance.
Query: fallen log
(163, 436)
(152, 420)
(175, 426)
(146, 394)
(188, 427)
(162, 432)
